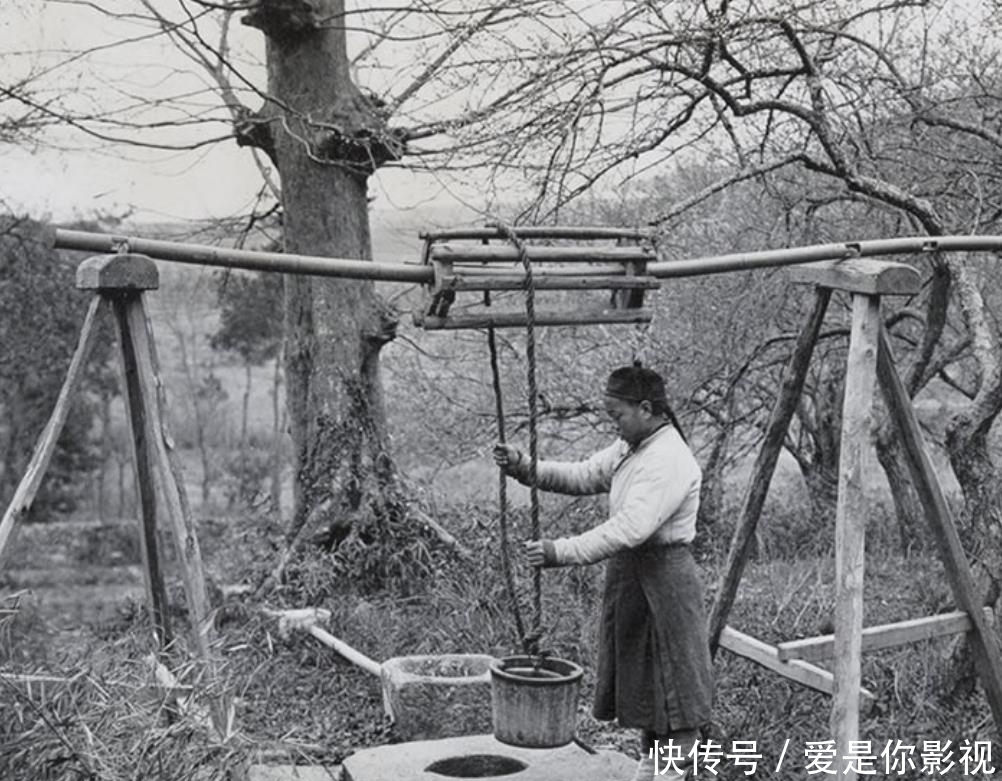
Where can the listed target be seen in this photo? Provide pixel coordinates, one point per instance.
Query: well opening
(476, 766)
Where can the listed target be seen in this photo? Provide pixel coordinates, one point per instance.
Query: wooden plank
(509, 253)
(766, 655)
(517, 282)
(987, 657)
(139, 428)
(27, 489)
(765, 464)
(159, 441)
(860, 275)
(544, 272)
(875, 638)
(518, 319)
(850, 520)
(563, 232)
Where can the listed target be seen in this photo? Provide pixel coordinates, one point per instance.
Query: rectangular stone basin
(438, 696)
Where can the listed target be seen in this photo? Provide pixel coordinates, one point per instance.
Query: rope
(531, 641)
(509, 577)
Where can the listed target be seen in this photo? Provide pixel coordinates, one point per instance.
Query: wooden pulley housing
(483, 261)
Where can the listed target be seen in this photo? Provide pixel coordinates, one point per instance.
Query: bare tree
(864, 105)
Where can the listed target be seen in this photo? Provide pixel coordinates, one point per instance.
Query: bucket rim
(566, 670)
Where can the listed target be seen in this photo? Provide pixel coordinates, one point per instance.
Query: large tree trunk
(326, 139)
(908, 511)
(822, 491)
(980, 532)
(981, 526)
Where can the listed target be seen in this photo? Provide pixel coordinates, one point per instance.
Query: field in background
(84, 585)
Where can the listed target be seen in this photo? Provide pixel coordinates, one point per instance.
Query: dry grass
(90, 710)
(298, 701)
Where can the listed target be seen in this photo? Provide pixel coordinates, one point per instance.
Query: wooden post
(27, 489)
(121, 280)
(765, 465)
(850, 521)
(174, 496)
(987, 657)
(139, 429)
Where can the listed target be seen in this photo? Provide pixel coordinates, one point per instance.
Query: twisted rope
(506, 568)
(531, 641)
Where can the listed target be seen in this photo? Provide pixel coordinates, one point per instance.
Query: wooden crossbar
(767, 655)
(507, 266)
(518, 319)
(507, 253)
(517, 282)
(883, 636)
(555, 232)
(541, 272)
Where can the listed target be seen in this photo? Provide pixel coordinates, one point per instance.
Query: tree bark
(822, 489)
(327, 140)
(907, 506)
(981, 530)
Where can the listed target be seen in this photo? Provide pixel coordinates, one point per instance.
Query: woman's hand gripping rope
(540, 553)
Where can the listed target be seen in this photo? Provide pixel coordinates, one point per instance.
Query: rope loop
(506, 567)
(530, 640)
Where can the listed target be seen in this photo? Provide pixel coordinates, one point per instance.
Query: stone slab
(295, 773)
(410, 761)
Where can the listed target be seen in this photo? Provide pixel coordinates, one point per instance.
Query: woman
(654, 670)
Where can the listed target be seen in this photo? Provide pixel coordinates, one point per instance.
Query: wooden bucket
(535, 700)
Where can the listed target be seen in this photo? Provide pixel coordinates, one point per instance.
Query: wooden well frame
(120, 280)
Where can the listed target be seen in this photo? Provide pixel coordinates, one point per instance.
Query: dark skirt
(654, 668)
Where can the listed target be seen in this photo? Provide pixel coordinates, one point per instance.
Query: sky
(69, 176)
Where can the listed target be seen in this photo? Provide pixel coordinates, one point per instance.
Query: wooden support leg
(123, 278)
(140, 428)
(179, 514)
(987, 657)
(850, 521)
(765, 465)
(27, 489)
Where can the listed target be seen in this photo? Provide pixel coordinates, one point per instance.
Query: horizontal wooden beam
(517, 282)
(562, 232)
(766, 655)
(788, 256)
(883, 636)
(403, 271)
(518, 319)
(541, 272)
(509, 253)
(860, 275)
(225, 257)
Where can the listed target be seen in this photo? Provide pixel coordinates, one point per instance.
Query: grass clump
(90, 710)
(298, 701)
